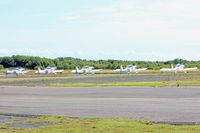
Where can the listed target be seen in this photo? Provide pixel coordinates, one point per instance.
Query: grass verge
(96, 125)
(175, 83)
(150, 84)
(187, 81)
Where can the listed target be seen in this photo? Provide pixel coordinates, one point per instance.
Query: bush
(1, 67)
(36, 67)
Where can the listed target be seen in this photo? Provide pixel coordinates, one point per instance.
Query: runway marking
(96, 98)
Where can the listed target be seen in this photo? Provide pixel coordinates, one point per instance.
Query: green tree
(1, 67)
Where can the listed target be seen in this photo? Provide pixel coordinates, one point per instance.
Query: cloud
(104, 9)
(41, 15)
(149, 55)
(116, 53)
(134, 10)
(171, 21)
(29, 51)
(105, 54)
(114, 29)
(66, 53)
(151, 8)
(70, 18)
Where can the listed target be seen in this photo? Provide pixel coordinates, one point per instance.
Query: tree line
(31, 62)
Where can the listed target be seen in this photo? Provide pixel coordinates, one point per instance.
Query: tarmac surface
(156, 104)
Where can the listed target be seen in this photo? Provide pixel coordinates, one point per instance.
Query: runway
(157, 104)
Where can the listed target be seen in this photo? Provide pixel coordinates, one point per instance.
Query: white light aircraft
(85, 69)
(17, 71)
(49, 70)
(178, 68)
(129, 68)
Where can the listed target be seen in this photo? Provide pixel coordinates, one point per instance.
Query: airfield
(170, 104)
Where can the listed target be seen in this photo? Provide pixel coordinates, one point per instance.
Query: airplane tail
(6, 71)
(54, 68)
(39, 70)
(76, 68)
(121, 68)
(182, 67)
(172, 67)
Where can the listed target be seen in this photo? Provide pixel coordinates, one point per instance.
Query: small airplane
(178, 68)
(49, 70)
(85, 69)
(129, 68)
(17, 71)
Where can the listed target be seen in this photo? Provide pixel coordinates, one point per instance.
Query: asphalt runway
(156, 104)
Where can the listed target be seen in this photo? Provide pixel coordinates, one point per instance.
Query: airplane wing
(73, 71)
(190, 69)
(165, 69)
(96, 70)
(141, 69)
(25, 71)
(40, 72)
(116, 70)
(58, 71)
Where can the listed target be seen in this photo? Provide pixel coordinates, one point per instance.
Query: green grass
(25, 80)
(97, 125)
(57, 78)
(61, 78)
(176, 83)
(187, 81)
(151, 84)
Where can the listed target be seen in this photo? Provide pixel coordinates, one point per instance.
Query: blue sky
(101, 29)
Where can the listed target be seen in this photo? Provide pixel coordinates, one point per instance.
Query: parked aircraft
(17, 71)
(178, 68)
(49, 70)
(129, 68)
(85, 69)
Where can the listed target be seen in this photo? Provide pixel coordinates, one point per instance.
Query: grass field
(150, 84)
(177, 83)
(188, 81)
(95, 125)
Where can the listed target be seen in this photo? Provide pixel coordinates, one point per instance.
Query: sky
(149, 30)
